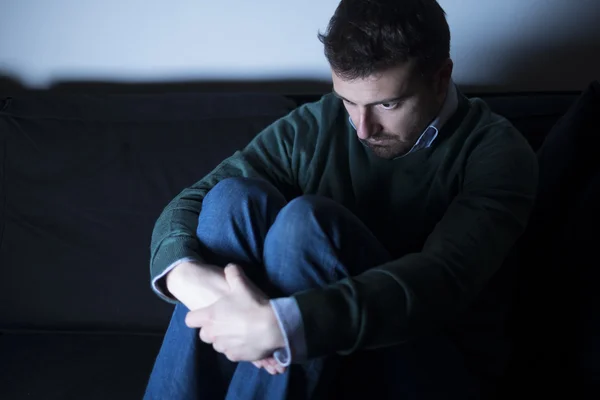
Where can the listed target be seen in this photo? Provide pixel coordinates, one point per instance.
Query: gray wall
(497, 44)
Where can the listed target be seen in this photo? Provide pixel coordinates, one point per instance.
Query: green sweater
(449, 214)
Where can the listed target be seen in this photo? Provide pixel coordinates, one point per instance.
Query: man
(356, 233)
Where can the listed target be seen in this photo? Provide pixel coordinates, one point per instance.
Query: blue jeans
(284, 248)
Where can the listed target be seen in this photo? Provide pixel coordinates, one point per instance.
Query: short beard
(389, 150)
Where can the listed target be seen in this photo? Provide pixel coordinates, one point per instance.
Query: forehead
(386, 85)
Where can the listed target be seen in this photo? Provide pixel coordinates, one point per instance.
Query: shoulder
(485, 129)
(494, 148)
(484, 122)
(304, 129)
(317, 114)
(310, 123)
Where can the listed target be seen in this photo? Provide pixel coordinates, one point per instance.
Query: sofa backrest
(82, 181)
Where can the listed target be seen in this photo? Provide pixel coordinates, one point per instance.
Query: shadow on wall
(556, 69)
(556, 57)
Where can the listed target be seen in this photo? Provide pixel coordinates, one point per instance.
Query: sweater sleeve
(267, 156)
(418, 293)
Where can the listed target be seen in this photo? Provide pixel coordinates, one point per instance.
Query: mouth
(378, 143)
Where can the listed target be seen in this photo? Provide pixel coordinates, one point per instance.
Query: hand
(200, 285)
(241, 324)
(197, 285)
(271, 365)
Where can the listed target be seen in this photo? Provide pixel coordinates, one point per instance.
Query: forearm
(195, 284)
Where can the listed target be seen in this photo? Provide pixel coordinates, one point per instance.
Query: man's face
(391, 109)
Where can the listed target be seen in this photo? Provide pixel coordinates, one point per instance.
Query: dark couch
(83, 179)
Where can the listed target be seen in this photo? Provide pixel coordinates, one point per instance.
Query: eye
(389, 106)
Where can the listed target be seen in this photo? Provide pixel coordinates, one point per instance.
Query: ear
(442, 79)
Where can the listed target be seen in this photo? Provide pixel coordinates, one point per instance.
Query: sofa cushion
(83, 179)
(568, 156)
(583, 337)
(545, 315)
(567, 161)
(75, 366)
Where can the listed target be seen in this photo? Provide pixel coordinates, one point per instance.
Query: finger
(206, 336)
(272, 361)
(232, 357)
(235, 277)
(219, 347)
(275, 365)
(270, 369)
(199, 318)
(257, 364)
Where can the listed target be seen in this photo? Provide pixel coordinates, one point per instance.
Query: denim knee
(300, 219)
(232, 195)
(315, 241)
(235, 218)
(295, 249)
(231, 192)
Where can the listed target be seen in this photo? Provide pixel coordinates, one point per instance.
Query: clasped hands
(241, 324)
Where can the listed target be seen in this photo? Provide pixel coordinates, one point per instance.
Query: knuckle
(219, 347)
(205, 336)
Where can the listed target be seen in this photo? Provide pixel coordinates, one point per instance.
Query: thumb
(235, 277)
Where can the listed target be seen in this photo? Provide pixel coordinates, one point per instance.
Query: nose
(366, 125)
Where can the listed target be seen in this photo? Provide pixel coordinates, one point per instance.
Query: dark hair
(369, 36)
